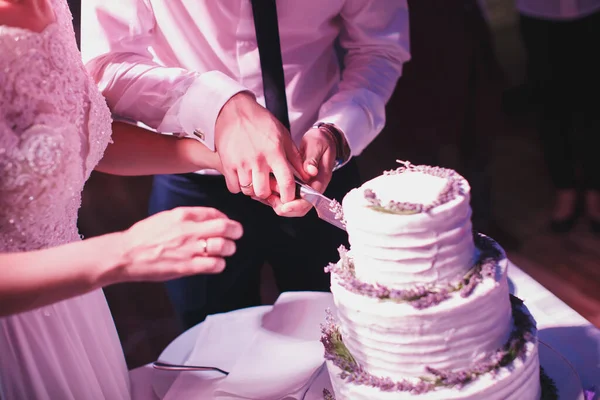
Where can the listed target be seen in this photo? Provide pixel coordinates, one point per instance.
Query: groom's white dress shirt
(173, 64)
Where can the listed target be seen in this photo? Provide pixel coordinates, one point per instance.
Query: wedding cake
(423, 309)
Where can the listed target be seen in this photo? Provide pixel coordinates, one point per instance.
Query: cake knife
(179, 368)
(322, 204)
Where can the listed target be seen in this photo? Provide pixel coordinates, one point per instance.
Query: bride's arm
(33, 279)
(136, 151)
(165, 246)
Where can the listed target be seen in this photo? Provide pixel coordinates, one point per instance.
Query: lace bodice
(54, 127)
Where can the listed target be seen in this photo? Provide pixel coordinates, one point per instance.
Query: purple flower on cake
(452, 189)
(371, 196)
(420, 297)
(486, 268)
(449, 378)
(337, 209)
(431, 299)
(470, 284)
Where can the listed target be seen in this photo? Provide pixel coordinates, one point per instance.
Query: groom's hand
(319, 151)
(252, 144)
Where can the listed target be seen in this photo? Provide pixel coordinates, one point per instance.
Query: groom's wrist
(198, 108)
(342, 149)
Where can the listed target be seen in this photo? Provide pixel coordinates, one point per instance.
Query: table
(559, 326)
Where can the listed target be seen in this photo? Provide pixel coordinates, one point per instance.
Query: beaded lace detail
(54, 128)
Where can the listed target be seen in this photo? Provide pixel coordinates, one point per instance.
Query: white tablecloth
(559, 326)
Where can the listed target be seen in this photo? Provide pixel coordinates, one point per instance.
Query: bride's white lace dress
(54, 127)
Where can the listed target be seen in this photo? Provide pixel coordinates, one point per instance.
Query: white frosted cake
(423, 309)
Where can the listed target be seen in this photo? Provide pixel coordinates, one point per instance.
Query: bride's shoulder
(31, 15)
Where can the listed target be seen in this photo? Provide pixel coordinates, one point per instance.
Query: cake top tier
(411, 226)
(414, 189)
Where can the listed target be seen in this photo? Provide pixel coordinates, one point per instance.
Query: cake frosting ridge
(397, 339)
(432, 244)
(512, 373)
(423, 309)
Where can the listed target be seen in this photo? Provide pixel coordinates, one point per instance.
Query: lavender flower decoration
(352, 372)
(452, 189)
(331, 338)
(549, 390)
(421, 297)
(337, 209)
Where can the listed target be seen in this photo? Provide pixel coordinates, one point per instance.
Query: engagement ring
(204, 245)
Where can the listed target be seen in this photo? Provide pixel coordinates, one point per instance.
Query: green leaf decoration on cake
(340, 349)
(385, 210)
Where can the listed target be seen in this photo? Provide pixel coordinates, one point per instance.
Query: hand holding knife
(323, 205)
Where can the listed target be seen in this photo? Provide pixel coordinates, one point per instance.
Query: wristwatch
(342, 149)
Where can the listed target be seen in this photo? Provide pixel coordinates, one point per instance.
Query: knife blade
(322, 204)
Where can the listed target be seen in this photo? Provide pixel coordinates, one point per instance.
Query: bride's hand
(180, 242)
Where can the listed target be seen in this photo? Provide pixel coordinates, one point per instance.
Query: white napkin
(285, 355)
(221, 339)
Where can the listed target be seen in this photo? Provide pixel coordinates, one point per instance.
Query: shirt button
(199, 134)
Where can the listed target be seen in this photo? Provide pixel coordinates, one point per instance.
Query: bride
(57, 337)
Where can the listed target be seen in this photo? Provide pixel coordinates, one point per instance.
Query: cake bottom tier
(517, 381)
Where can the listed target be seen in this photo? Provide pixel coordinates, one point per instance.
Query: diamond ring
(204, 245)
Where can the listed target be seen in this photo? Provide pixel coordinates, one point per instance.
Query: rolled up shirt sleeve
(117, 37)
(375, 39)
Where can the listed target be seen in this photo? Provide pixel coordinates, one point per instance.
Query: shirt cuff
(199, 107)
(352, 121)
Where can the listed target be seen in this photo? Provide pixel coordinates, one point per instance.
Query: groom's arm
(117, 39)
(135, 151)
(115, 42)
(375, 39)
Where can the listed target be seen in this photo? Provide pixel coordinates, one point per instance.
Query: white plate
(562, 373)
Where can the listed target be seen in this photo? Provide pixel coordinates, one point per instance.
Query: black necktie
(269, 50)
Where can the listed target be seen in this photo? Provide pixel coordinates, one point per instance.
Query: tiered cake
(423, 307)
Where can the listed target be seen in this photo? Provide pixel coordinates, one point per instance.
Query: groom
(260, 82)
